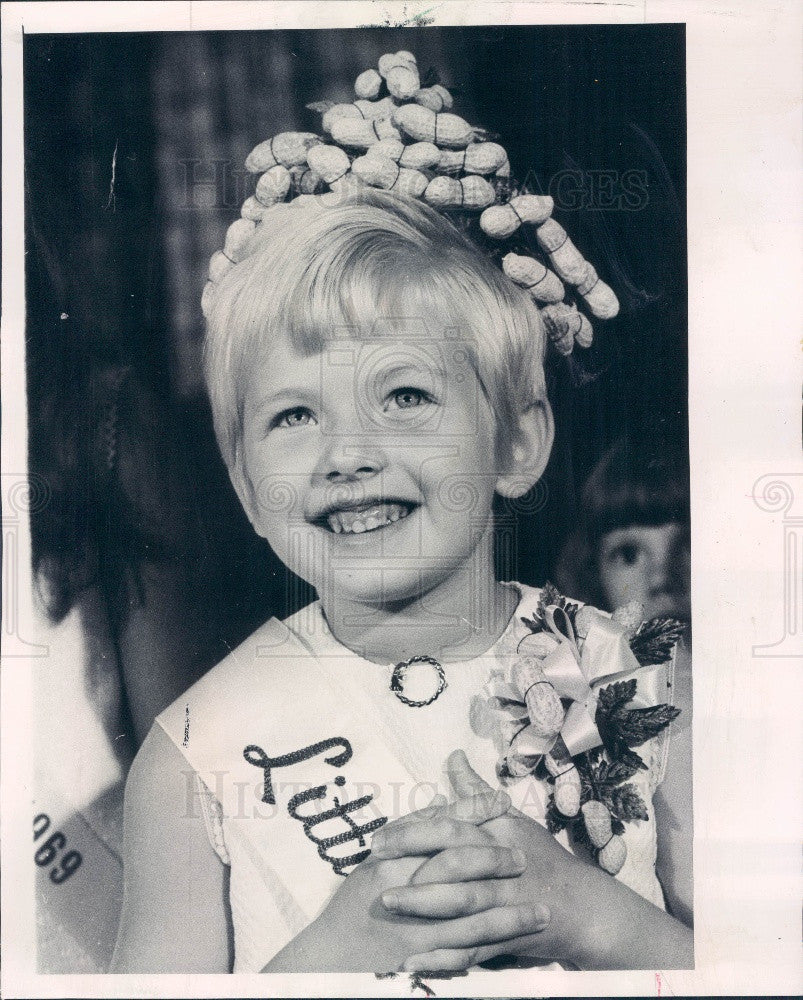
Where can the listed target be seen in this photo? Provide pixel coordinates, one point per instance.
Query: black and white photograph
(358, 512)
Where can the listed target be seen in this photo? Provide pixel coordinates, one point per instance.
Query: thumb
(463, 777)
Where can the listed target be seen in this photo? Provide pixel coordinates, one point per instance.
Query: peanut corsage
(573, 711)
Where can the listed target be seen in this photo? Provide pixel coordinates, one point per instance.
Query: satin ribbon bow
(576, 669)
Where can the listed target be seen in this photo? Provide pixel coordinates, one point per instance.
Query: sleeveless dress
(301, 750)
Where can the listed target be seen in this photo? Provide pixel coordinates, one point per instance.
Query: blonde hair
(310, 271)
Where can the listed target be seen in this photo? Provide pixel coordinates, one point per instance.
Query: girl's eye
(300, 416)
(627, 554)
(408, 398)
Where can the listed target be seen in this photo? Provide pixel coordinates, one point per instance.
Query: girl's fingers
(480, 808)
(459, 899)
(432, 809)
(464, 778)
(466, 864)
(401, 840)
(476, 809)
(500, 924)
(458, 959)
(468, 784)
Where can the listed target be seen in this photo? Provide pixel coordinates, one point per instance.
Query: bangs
(630, 487)
(376, 265)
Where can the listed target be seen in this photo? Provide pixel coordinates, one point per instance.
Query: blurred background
(148, 572)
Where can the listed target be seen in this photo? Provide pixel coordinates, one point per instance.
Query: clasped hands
(451, 886)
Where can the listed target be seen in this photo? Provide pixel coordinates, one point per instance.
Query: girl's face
(369, 467)
(647, 564)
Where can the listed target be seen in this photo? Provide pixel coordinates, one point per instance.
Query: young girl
(633, 540)
(376, 380)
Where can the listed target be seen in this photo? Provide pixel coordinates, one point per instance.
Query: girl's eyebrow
(288, 394)
(431, 368)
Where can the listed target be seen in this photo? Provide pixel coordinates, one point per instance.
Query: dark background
(114, 273)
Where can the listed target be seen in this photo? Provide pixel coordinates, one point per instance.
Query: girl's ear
(529, 451)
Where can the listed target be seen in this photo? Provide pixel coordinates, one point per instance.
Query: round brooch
(427, 673)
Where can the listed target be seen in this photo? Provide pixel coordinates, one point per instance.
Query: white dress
(302, 750)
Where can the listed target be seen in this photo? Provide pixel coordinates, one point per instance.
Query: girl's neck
(458, 619)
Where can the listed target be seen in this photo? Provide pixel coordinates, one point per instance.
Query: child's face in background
(371, 463)
(647, 564)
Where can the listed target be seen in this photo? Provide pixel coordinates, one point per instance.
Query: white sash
(302, 776)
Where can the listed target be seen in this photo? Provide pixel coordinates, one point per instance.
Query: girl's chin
(379, 586)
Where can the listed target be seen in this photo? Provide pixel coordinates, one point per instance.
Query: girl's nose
(351, 460)
(659, 573)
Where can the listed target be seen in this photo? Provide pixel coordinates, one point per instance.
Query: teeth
(367, 519)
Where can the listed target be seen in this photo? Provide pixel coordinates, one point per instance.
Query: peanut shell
(569, 263)
(374, 110)
(443, 129)
(381, 172)
(563, 323)
(597, 821)
(436, 98)
(533, 208)
(219, 263)
(403, 81)
(419, 156)
(237, 236)
(401, 74)
(613, 855)
(499, 221)
(567, 785)
(551, 235)
(391, 148)
(368, 84)
(543, 704)
(599, 297)
(477, 158)
(362, 134)
(584, 337)
(253, 209)
(540, 282)
(329, 162)
(467, 192)
(305, 180)
(207, 298)
(286, 148)
(273, 185)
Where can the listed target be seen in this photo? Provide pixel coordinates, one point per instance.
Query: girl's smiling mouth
(355, 519)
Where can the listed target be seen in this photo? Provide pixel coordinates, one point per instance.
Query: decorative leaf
(617, 826)
(555, 821)
(321, 107)
(626, 803)
(655, 639)
(630, 759)
(615, 695)
(549, 596)
(622, 769)
(638, 725)
(615, 744)
(532, 624)
(580, 834)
